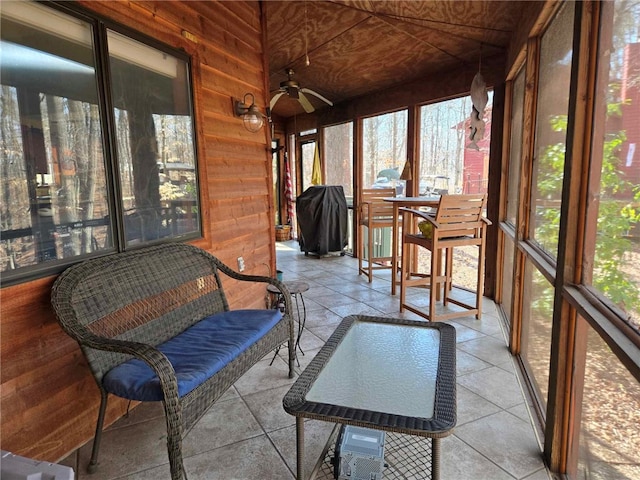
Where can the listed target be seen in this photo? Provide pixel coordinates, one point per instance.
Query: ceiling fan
(292, 88)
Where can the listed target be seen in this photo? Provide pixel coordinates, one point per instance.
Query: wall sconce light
(252, 118)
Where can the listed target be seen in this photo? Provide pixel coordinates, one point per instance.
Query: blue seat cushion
(196, 354)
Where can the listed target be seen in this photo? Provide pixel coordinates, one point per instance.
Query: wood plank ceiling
(356, 47)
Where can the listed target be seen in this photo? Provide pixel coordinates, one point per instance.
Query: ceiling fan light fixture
(252, 117)
(292, 89)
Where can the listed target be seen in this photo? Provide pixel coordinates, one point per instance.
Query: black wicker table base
(406, 457)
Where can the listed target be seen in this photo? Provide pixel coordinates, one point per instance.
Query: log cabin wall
(49, 401)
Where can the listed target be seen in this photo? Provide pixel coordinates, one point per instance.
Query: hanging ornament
(479, 99)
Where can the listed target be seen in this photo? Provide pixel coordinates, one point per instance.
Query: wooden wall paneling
(44, 378)
(236, 21)
(217, 79)
(227, 66)
(272, 210)
(48, 400)
(133, 16)
(217, 125)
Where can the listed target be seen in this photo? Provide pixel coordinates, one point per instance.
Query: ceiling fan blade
(274, 99)
(306, 104)
(316, 94)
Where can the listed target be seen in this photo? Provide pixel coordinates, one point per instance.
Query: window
(614, 219)
(551, 130)
(536, 329)
(60, 199)
(515, 149)
(609, 437)
(338, 155)
(384, 150)
(446, 164)
(308, 152)
(275, 173)
(507, 277)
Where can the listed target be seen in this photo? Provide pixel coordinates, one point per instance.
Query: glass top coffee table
(382, 373)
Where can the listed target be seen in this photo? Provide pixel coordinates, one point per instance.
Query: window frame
(99, 27)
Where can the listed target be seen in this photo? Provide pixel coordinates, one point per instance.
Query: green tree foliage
(615, 216)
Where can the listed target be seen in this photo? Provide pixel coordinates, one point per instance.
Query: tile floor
(247, 435)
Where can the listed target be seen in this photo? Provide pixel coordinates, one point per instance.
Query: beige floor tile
(223, 424)
(321, 318)
(459, 461)
(506, 440)
(316, 434)
(494, 384)
(126, 451)
(266, 407)
(355, 309)
(471, 407)
(488, 349)
(466, 363)
(250, 459)
(541, 474)
(464, 333)
(263, 376)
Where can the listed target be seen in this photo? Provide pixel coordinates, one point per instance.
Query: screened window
(507, 276)
(308, 152)
(446, 164)
(551, 130)
(60, 199)
(609, 436)
(515, 150)
(338, 154)
(614, 217)
(536, 328)
(384, 151)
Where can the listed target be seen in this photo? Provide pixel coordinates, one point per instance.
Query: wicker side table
(296, 289)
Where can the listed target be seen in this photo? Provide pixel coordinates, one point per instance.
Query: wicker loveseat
(154, 325)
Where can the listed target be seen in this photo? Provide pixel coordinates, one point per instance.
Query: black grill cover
(322, 218)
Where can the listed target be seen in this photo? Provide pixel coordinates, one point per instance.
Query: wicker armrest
(153, 357)
(258, 278)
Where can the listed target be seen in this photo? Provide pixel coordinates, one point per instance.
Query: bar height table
(409, 202)
(382, 373)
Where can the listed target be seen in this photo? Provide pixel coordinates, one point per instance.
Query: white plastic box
(14, 467)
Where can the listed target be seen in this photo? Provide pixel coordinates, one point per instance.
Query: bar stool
(457, 222)
(374, 214)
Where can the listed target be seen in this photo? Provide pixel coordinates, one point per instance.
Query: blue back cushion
(196, 354)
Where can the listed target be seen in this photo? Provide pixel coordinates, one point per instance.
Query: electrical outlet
(240, 264)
